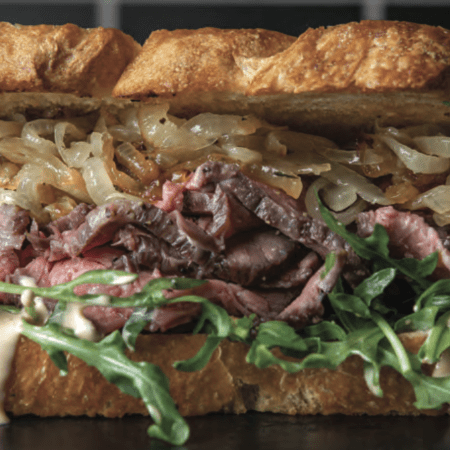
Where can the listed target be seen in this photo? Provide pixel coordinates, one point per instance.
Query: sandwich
(224, 221)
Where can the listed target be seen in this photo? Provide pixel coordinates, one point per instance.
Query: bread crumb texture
(227, 384)
(370, 56)
(64, 59)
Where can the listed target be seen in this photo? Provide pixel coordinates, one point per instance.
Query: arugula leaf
(221, 327)
(142, 379)
(326, 331)
(352, 304)
(349, 320)
(151, 295)
(437, 341)
(139, 318)
(375, 285)
(330, 261)
(439, 290)
(423, 319)
(375, 248)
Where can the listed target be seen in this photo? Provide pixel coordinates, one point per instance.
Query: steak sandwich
(223, 221)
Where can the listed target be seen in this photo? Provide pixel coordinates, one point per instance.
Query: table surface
(226, 432)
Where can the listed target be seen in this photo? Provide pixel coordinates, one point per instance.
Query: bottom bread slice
(227, 384)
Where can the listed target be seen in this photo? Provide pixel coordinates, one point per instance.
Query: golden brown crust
(208, 59)
(66, 59)
(371, 56)
(226, 384)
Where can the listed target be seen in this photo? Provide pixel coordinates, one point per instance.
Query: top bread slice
(63, 59)
(338, 79)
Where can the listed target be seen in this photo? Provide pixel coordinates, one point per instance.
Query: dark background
(141, 18)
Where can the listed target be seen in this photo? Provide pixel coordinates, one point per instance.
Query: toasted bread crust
(196, 60)
(63, 59)
(226, 384)
(371, 56)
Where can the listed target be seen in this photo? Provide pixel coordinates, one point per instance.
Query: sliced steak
(14, 222)
(297, 274)
(307, 307)
(252, 256)
(236, 300)
(104, 221)
(409, 236)
(272, 206)
(146, 250)
(228, 215)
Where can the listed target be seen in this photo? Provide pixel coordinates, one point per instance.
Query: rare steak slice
(409, 236)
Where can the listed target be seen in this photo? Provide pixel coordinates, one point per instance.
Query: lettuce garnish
(361, 322)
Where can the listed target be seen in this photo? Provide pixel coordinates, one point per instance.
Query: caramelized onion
(294, 166)
(337, 197)
(33, 135)
(212, 126)
(345, 216)
(78, 152)
(401, 193)
(124, 134)
(48, 167)
(144, 169)
(129, 118)
(161, 133)
(414, 160)
(60, 208)
(341, 175)
(104, 146)
(442, 219)
(437, 199)
(252, 142)
(273, 145)
(15, 198)
(434, 145)
(8, 171)
(301, 142)
(291, 184)
(99, 184)
(242, 154)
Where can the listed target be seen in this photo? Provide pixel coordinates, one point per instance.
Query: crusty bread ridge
(227, 384)
(330, 81)
(64, 59)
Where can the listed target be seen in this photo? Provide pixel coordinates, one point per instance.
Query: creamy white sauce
(75, 320)
(10, 329)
